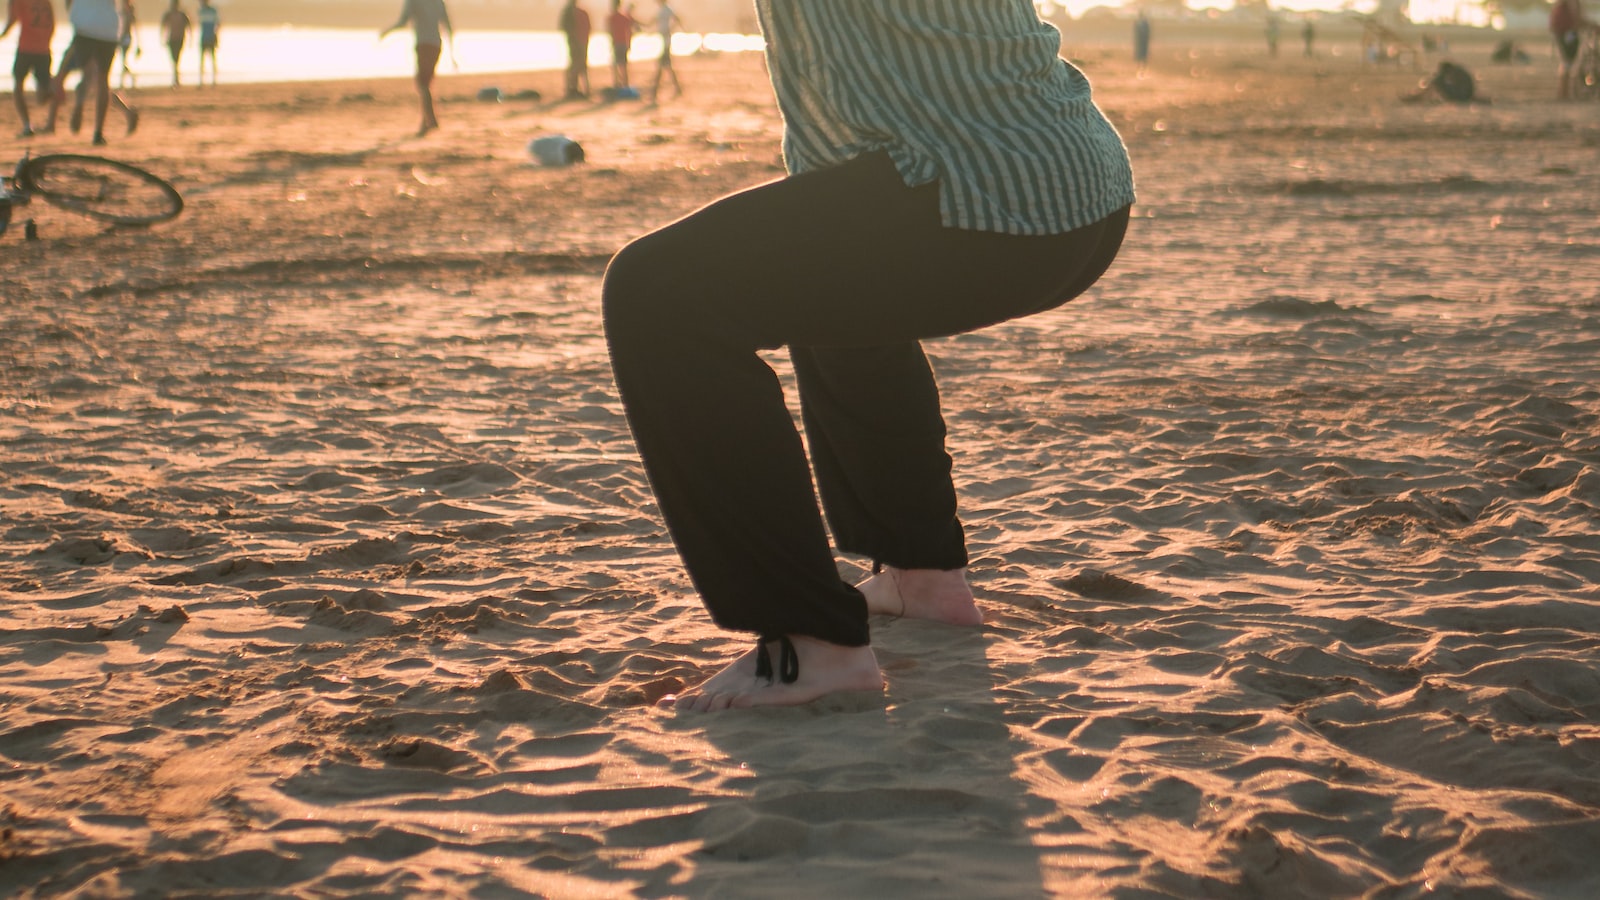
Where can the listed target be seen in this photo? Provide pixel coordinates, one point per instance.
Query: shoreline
(537, 50)
(299, 54)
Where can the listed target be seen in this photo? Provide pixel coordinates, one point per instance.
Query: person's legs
(663, 63)
(851, 268)
(427, 64)
(619, 65)
(129, 114)
(1567, 46)
(80, 97)
(19, 94)
(70, 60)
(664, 69)
(124, 72)
(175, 50)
(41, 78)
(577, 63)
(97, 74)
(876, 438)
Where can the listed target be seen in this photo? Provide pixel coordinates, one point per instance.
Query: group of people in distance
(97, 34)
(430, 22)
(621, 25)
(175, 28)
(101, 29)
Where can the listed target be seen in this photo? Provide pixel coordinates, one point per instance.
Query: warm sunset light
(879, 449)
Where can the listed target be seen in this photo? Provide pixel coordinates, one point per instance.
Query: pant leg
(876, 432)
(843, 258)
(876, 436)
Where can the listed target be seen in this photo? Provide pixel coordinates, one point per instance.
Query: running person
(96, 25)
(37, 19)
(427, 18)
(948, 171)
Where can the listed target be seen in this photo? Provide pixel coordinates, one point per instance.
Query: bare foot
(824, 669)
(938, 595)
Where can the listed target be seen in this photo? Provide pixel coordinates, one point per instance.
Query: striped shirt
(972, 94)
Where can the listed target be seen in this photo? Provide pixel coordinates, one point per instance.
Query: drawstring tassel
(788, 661)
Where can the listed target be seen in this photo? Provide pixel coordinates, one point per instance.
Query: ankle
(941, 595)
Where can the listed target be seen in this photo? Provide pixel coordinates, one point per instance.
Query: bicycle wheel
(101, 188)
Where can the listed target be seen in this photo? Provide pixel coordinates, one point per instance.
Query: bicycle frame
(13, 195)
(108, 190)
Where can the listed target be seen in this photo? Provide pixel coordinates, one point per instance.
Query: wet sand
(329, 568)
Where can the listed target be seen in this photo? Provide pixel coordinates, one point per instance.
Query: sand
(328, 567)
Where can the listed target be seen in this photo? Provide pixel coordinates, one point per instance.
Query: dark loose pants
(849, 269)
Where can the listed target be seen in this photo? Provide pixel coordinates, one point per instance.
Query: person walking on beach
(1567, 24)
(1141, 42)
(210, 23)
(621, 25)
(947, 171)
(174, 32)
(37, 21)
(667, 22)
(576, 25)
(127, 42)
(430, 21)
(95, 27)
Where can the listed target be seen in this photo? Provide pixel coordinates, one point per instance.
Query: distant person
(576, 25)
(1141, 42)
(430, 20)
(37, 19)
(210, 23)
(667, 22)
(174, 33)
(994, 190)
(96, 24)
(128, 43)
(1308, 34)
(1567, 24)
(73, 61)
(1273, 27)
(621, 25)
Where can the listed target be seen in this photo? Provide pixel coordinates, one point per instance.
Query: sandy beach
(328, 567)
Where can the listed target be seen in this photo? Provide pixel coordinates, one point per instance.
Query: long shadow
(916, 789)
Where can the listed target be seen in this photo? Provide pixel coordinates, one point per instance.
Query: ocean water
(288, 53)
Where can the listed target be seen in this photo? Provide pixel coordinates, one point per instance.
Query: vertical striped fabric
(970, 93)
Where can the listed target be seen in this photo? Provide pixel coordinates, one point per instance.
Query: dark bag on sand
(1453, 83)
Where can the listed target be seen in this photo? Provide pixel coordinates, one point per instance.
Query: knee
(635, 294)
